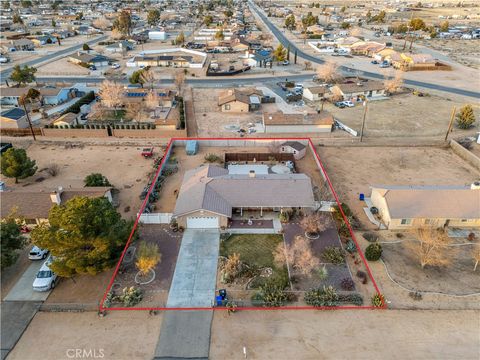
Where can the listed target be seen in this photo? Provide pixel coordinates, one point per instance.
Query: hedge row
(104, 126)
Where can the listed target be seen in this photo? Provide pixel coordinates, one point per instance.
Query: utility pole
(365, 107)
(451, 122)
(28, 119)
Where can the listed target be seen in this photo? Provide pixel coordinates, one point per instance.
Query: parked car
(340, 104)
(37, 254)
(92, 68)
(285, 63)
(46, 278)
(384, 65)
(115, 66)
(375, 62)
(348, 103)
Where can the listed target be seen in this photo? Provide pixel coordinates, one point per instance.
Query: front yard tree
(24, 75)
(148, 257)
(16, 164)
(123, 22)
(393, 83)
(466, 117)
(417, 24)
(207, 20)
(180, 38)
(85, 47)
(17, 19)
(153, 17)
(85, 236)
(328, 71)
(280, 53)
(444, 26)
(96, 179)
(11, 240)
(314, 223)
(111, 95)
(219, 35)
(290, 22)
(431, 246)
(299, 255)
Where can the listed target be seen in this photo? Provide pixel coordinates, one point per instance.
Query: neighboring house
(279, 122)
(157, 34)
(13, 119)
(44, 40)
(294, 147)
(67, 120)
(315, 29)
(166, 97)
(367, 48)
(120, 46)
(412, 62)
(21, 45)
(238, 101)
(49, 95)
(354, 90)
(175, 57)
(33, 206)
(315, 93)
(209, 195)
(89, 59)
(403, 207)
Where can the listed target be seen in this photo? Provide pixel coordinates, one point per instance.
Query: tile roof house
(403, 207)
(209, 195)
(34, 205)
(279, 122)
(368, 89)
(238, 101)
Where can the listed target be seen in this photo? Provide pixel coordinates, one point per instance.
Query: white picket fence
(156, 218)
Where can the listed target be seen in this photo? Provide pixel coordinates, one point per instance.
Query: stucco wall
(465, 154)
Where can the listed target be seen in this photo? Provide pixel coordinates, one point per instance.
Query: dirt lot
(403, 115)
(76, 163)
(62, 67)
(120, 336)
(353, 169)
(346, 335)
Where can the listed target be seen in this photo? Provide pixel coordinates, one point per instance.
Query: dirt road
(359, 334)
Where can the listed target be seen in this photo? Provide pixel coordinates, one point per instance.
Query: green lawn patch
(254, 249)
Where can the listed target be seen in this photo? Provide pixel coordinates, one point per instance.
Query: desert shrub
(362, 276)
(212, 158)
(148, 257)
(327, 296)
(322, 273)
(333, 254)
(289, 84)
(355, 299)
(96, 179)
(465, 117)
(350, 246)
(130, 296)
(373, 252)
(471, 236)
(399, 235)
(231, 268)
(378, 300)
(370, 237)
(347, 284)
(273, 295)
(52, 170)
(284, 216)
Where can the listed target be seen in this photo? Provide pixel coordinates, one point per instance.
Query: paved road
(193, 283)
(5, 73)
(286, 42)
(22, 290)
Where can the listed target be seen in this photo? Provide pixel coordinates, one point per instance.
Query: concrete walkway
(193, 283)
(23, 289)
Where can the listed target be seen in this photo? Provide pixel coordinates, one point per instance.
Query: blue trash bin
(362, 197)
(219, 300)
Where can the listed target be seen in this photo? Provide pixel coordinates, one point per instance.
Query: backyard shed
(192, 147)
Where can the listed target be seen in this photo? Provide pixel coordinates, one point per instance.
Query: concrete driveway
(195, 274)
(23, 291)
(16, 315)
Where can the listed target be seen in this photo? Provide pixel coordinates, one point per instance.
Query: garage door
(202, 222)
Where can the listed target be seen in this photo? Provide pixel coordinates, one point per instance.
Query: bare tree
(101, 23)
(111, 95)
(308, 65)
(431, 246)
(393, 82)
(336, 94)
(299, 254)
(179, 81)
(476, 256)
(328, 71)
(152, 100)
(148, 76)
(315, 223)
(116, 34)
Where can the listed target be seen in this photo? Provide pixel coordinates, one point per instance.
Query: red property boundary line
(144, 204)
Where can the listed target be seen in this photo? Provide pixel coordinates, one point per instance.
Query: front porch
(254, 222)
